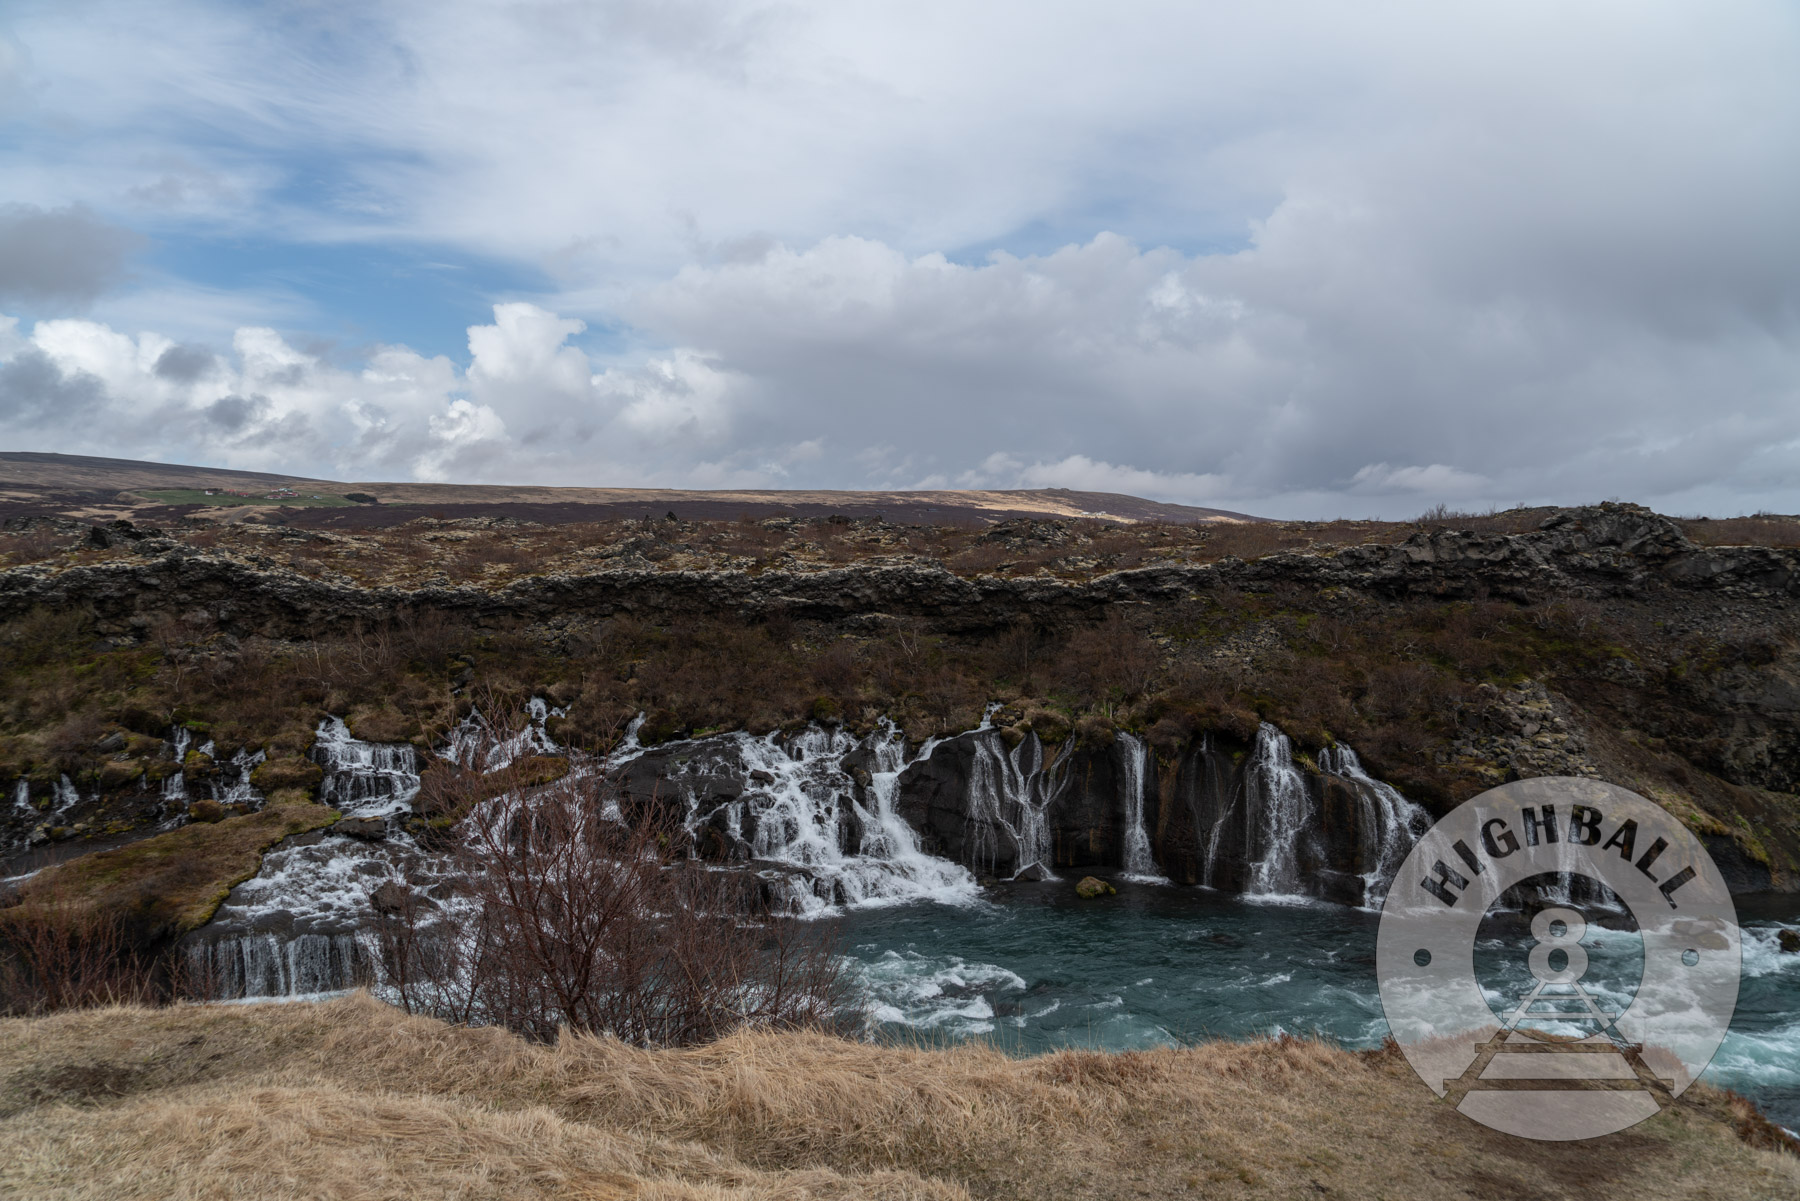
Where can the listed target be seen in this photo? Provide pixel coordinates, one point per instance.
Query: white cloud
(1082, 474)
(1369, 256)
(1434, 480)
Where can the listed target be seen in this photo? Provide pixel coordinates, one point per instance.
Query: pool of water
(1036, 967)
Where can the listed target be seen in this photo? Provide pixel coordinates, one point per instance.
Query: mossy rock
(1012, 736)
(173, 882)
(199, 766)
(826, 711)
(1093, 886)
(1049, 725)
(659, 727)
(538, 770)
(1094, 732)
(273, 775)
(385, 724)
(119, 774)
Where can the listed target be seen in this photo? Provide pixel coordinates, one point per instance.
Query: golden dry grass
(353, 1099)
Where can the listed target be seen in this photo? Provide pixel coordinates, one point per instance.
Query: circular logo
(1492, 941)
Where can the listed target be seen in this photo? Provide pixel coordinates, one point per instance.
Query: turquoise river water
(1036, 967)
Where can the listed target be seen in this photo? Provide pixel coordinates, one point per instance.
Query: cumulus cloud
(527, 406)
(1294, 259)
(61, 256)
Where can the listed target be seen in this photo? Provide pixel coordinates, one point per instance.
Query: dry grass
(1764, 529)
(354, 1099)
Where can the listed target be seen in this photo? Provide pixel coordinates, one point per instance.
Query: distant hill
(35, 483)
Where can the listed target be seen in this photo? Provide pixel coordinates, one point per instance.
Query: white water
(1134, 758)
(476, 746)
(822, 843)
(364, 779)
(267, 966)
(1011, 791)
(1279, 810)
(239, 791)
(22, 798)
(174, 789)
(1387, 825)
(807, 817)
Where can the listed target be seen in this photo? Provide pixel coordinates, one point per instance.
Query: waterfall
(475, 745)
(1134, 760)
(801, 812)
(22, 798)
(264, 965)
(1387, 823)
(1011, 791)
(174, 789)
(239, 791)
(1279, 810)
(64, 797)
(364, 779)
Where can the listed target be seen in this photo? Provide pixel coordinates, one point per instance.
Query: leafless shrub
(568, 917)
(57, 953)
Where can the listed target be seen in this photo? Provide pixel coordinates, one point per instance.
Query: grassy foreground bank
(353, 1099)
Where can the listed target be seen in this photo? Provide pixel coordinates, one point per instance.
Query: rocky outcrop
(1605, 550)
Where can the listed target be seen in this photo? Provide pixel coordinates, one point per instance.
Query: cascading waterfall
(801, 812)
(1134, 759)
(1011, 791)
(265, 965)
(1279, 810)
(238, 790)
(795, 808)
(22, 798)
(174, 789)
(302, 924)
(474, 744)
(1387, 825)
(364, 779)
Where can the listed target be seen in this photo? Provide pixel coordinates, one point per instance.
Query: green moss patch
(171, 883)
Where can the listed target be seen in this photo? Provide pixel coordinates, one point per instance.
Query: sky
(1297, 259)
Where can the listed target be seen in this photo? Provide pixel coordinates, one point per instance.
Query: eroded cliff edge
(1605, 642)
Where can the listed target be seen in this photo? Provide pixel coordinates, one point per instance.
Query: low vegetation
(171, 883)
(1408, 683)
(100, 927)
(221, 499)
(352, 1098)
(559, 918)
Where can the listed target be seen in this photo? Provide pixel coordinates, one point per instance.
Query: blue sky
(1308, 259)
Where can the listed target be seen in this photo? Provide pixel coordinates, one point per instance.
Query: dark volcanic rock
(1600, 550)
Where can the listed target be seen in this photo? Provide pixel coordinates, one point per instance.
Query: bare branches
(565, 916)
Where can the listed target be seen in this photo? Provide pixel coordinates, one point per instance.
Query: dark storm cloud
(233, 413)
(64, 256)
(36, 393)
(185, 364)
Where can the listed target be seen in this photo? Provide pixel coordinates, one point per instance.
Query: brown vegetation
(168, 884)
(562, 918)
(354, 1099)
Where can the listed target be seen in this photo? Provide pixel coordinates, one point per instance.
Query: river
(1036, 967)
